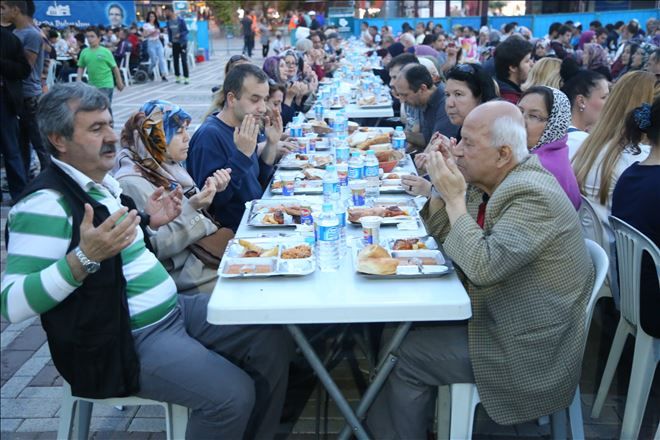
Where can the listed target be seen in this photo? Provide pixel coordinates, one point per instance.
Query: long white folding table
(339, 297)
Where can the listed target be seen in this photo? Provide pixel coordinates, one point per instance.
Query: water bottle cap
(371, 152)
(330, 168)
(399, 128)
(355, 154)
(327, 207)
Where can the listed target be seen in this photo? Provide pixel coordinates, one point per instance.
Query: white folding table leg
(382, 371)
(328, 383)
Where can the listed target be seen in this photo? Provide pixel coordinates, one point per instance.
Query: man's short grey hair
(58, 108)
(507, 130)
(304, 45)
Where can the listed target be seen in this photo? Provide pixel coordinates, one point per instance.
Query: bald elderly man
(515, 240)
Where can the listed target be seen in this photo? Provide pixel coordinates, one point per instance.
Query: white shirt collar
(109, 182)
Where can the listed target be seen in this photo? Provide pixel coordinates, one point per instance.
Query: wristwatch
(88, 265)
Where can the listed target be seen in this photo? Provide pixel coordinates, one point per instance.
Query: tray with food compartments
(267, 257)
(278, 212)
(404, 258)
(392, 212)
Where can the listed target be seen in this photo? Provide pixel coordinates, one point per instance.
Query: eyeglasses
(533, 118)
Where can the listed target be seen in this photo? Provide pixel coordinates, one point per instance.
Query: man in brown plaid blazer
(515, 239)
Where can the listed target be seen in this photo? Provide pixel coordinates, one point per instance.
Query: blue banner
(62, 13)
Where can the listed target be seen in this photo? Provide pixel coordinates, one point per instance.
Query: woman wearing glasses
(279, 70)
(547, 113)
(155, 142)
(468, 85)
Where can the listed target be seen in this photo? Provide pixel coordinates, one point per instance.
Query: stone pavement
(30, 385)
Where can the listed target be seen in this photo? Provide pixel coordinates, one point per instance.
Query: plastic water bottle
(371, 175)
(341, 122)
(331, 185)
(318, 110)
(327, 249)
(370, 165)
(341, 219)
(342, 152)
(355, 167)
(399, 139)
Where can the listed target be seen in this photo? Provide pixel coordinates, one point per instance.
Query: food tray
(392, 185)
(302, 184)
(381, 104)
(410, 209)
(260, 209)
(314, 187)
(294, 161)
(423, 263)
(235, 265)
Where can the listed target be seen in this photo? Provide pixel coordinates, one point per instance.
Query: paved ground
(30, 385)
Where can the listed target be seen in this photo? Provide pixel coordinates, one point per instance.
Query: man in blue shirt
(228, 139)
(177, 31)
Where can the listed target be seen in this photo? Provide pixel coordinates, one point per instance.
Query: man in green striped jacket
(115, 323)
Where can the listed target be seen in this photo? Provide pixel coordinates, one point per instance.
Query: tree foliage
(224, 10)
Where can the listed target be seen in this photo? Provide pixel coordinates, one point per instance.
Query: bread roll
(373, 251)
(378, 266)
(382, 138)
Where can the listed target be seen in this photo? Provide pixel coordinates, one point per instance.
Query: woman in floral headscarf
(155, 141)
(547, 113)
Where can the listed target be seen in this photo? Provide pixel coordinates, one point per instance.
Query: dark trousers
(29, 134)
(264, 49)
(10, 149)
(249, 44)
(179, 51)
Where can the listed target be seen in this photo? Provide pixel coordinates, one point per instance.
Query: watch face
(92, 267)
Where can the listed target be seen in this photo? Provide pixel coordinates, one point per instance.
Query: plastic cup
(288, 184)
(358, 192)
(303, 145)
(371, 229)
(313, 140)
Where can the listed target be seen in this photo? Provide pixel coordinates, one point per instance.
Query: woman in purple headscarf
(594, 57)
(585, 38)
(278, 72)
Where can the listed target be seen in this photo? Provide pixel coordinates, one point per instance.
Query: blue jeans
(11, 150)
(156, 55)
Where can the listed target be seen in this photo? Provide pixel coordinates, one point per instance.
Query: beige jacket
(529, 277)
(172, 240)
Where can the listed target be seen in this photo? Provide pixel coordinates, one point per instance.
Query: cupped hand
(415, 185)
(204, 197)
(446, 178)
(222, 178)
(440, 142)
(245, 136)
(110, 237)
(164, 207)
(274, 127)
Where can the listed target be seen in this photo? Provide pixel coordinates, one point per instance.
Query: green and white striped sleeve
(37, 277)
